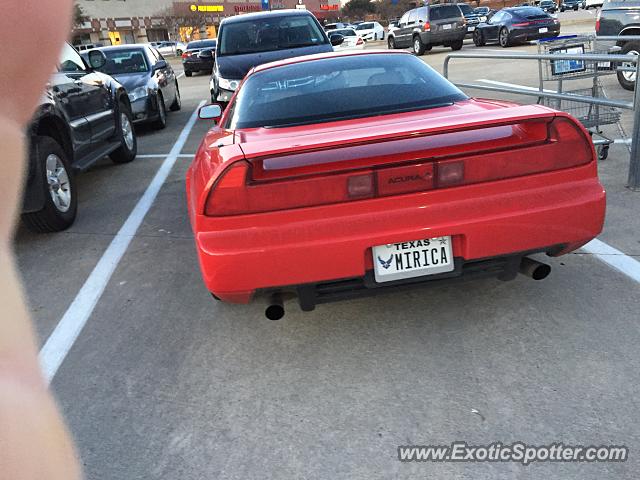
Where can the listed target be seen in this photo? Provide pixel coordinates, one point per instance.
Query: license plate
(446, 27)
(396, 261)
(470, 29)
(543, 30)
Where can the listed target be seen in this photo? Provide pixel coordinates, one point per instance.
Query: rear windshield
(444, 11)
(268, 34)
(347, 32)
(365, 26)
(340, 88)
(201, 44)
(530, 12)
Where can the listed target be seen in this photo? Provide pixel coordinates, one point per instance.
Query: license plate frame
(432, 256)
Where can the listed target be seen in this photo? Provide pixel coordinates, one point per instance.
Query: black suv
(424, 27)
(618, 17)
(83, 116)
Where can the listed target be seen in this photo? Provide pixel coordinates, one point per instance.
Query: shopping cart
(578, 71)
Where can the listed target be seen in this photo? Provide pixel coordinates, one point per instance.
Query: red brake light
(359, 41)
(427, 26)
(516, 150)
(523, 24)
(185, 55)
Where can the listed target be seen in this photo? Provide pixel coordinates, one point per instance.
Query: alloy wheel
(58, 183)
(127, 130)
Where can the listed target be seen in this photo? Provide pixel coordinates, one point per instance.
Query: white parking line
(614, 258)
(164, 155)
(180, 75)
(73, 321)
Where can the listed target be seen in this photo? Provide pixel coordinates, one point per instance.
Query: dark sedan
(548, 6)
(516, 25)
(198, 57)
(150, 81)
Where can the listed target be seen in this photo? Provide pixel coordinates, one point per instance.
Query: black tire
(56, 215)
(391, 43)
(178, 52)
(503, 37)
(187, 73)
(478, 39)
(128, 141)
(418, 46)
(628, 83)
(161, 121)
(603, 152)
(177, 103)
(457, 45)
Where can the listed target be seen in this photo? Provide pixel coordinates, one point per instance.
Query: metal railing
(633, 181)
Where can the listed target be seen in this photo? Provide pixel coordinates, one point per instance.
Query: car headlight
(228, 84)
(138, 93)
(482, 19)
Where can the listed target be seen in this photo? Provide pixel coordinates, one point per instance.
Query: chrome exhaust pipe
(534, 269)
(275, 307)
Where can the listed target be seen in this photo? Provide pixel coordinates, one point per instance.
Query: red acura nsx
(334, 176)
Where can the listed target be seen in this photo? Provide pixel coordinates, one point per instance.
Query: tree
(387, 9)
(358, 8)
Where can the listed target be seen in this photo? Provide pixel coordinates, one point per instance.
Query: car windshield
(346, 32)
(365, 26)
(131, 60)
(466, 9)
(268, 34)
(201, 44)
(340, 88)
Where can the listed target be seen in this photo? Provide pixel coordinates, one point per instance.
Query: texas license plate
(470, 29)
(543, 30)
(446, 27)
(396, 261)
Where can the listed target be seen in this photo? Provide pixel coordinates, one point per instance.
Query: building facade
(114, 22)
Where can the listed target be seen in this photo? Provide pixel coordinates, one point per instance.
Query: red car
(333, 176)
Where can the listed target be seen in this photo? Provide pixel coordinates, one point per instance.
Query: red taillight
(546, 146)
(523, 24)
(185, 55)
(427, 26)
(359, 41)
(598, 21)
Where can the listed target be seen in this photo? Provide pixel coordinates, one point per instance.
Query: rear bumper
(527, 34)
(198, 66)
(240, 255)
(444, 37)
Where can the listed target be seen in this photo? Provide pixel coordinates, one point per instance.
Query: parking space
(164, 382)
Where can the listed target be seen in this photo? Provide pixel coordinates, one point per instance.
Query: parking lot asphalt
(163, 382)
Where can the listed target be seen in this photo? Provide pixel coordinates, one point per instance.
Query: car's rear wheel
(187, 73)
(478, 39)
(177, 103)
(457, 45)
(503, 37)
(161, 121)
(418, 46)
(128, 141)
(627, 80)
(60, 199)
(391, 43)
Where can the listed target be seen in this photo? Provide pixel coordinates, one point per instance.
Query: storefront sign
(329, 7)
(206, 8)
(247, 8)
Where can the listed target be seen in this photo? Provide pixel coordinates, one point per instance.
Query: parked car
(352, 41)
(587, 4)
(86, 46)
(424, 27)
(198, 57)
(516, 25)
(338, 176)
(472, 18)
(621, 17)
(150, 81)
(569, 5)
(256, 38)
(370, 31)
(334, 26)
(169, 47)
(82, 116)
(548, 6)
(486, 11)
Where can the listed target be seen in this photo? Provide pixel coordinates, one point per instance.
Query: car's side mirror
(212, 111)
(97, 59)
(336, 39)
(160, 64)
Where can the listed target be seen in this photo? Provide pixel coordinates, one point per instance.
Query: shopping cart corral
(566, 75)
(566, 61)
